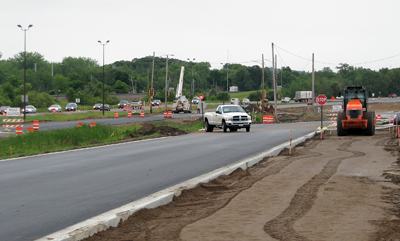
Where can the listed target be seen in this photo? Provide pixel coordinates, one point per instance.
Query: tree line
(80, 77)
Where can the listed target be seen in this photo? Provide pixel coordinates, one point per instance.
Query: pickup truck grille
(240, 118)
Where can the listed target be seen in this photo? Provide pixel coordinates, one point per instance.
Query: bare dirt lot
(335, 188)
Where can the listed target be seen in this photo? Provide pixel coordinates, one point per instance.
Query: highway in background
(45, 193)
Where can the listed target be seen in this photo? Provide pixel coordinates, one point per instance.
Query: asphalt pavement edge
(113, 217)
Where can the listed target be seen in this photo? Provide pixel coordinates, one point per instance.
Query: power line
(374, 61)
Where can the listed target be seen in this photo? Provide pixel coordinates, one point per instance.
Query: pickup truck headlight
(228, 118)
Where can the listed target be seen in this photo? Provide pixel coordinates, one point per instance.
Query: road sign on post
(321, 99)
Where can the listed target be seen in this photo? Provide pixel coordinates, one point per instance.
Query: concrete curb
(113, 217)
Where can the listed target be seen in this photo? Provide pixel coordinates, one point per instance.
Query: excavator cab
(355, 114)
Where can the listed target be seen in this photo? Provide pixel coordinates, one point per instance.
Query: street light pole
(25, 66)
(192, 82)
(166, 84)
(103, 69)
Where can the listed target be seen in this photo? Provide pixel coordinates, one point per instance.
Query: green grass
(65, 139)
(241, 95)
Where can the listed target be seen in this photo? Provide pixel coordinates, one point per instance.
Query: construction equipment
(180, 104)
(355, 114)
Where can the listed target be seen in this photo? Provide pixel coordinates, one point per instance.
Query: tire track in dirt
(281, 227)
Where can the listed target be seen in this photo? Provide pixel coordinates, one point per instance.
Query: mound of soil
(150, 129)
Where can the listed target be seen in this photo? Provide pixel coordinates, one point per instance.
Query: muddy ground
(335, 188)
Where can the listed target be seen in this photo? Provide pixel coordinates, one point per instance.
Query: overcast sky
(360, 33)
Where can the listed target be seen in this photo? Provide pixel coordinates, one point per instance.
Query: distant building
(233, 89)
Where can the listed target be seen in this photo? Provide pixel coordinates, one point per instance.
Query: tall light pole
(166, 84)
(227, 77)
(103, 70)
(25, 65)
(192, 82)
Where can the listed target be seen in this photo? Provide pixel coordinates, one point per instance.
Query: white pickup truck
(232, 117)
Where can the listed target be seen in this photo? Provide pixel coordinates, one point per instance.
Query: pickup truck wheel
(209, 128)
(247, 129)
(224, 127)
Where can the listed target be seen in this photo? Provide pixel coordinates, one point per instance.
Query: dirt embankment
(337, 188)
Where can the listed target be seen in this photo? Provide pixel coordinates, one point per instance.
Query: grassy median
(85, 136)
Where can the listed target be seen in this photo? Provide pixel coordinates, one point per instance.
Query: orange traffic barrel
(270, 119)
(129, 114)
(379, 117)
(35, 125)
(116, 114)
(265, 120)
(18, 130)
(29, 129)
(165, 114)
(170, 114)
(92, 124)
(79, 124)
(142, 114)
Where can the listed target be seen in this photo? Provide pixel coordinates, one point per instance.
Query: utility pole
(312, 94)
(275, 89)
(273, 77)
(262, 85)
(152, 80)
(166, 85)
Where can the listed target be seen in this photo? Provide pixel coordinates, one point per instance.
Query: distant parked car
(233, 100)
(3, 109)
(285, 100)
(340, 97)
(57, 108)
(156, 103)
(29, 109)
(195, 100)
(71, 107)
(136, 104)
(392, 95)
(309, 102)
(246, 101)
(97, 106)
(122, 104)
(106, 107)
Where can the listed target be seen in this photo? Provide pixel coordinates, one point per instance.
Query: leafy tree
(223, 95)
(8, 90)
(121, 87)
(70, 94)
(60, 83)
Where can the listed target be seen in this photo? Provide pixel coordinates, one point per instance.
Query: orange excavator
(355, 114)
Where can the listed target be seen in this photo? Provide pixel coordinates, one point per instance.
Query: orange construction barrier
(269, 119)
(18, 130)
(79, 124)
(170, 114)
(129, 114)
(165, 114)
(92, 124)
(142, 114)
(116, 114)
(29, 129)
(378, 117)
(36, 125)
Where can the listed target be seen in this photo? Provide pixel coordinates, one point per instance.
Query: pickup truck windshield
(228, 109)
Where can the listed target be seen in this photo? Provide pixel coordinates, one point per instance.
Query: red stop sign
(321, 99)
